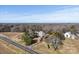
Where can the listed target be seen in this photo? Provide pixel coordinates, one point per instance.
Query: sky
(39, 14)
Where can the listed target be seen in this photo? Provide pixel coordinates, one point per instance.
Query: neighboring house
(71, 35)
(67, 34)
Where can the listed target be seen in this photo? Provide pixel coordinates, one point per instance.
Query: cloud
(68, 15)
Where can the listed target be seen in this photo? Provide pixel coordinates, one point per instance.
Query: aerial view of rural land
(39, 29)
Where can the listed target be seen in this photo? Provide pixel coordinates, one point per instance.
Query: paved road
(8, 40)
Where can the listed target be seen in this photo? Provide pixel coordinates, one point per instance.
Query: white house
(40, 33)
(70, 35)
(67, 34)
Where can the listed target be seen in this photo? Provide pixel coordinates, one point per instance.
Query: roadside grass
(12, 48)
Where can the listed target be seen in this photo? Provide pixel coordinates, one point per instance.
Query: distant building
(71, 35)
(67, 34)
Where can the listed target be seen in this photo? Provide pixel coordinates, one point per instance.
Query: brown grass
(6, 48)
(70, 46)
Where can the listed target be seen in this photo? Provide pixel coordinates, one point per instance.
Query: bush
(26, 38)
(58, 34)
(72, 29)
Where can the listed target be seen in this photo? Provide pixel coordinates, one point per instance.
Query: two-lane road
(8, 40)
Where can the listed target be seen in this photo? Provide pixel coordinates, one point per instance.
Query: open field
(15, 36)
(70, 46)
